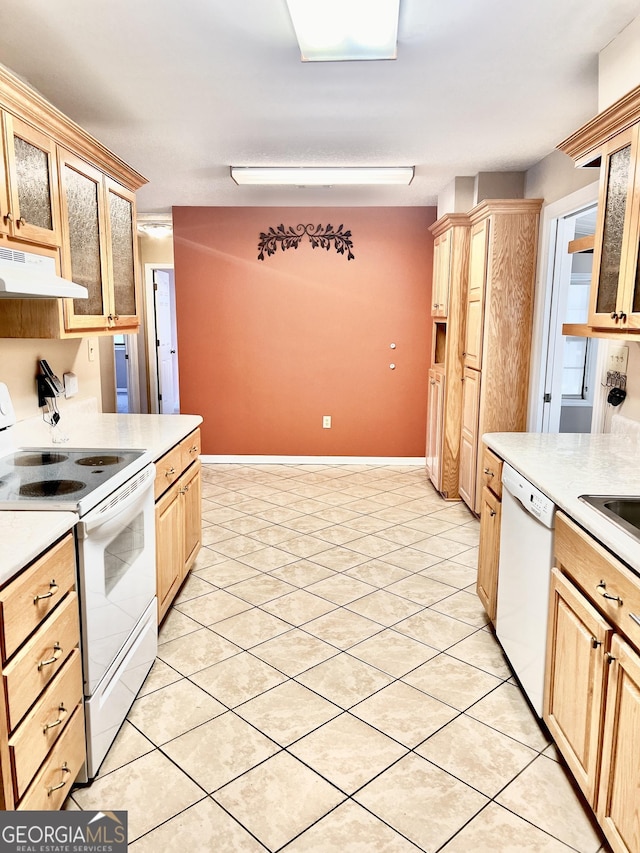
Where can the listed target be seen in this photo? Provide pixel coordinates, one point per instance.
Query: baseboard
(314, 460)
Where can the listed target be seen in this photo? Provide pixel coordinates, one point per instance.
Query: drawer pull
(65, 769)
(57, 651)
(184, 491)
(193, 449)
(595, 643)
(492, 512)
(601, 588)
(635, 618)
(170, 472)
(53, 588)
(62, 710)
(489, 472)
(610, 658)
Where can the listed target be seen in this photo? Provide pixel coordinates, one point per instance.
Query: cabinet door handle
(489, 472)
(435, 304)
(432, 382)
(614, 315)
(53, 588)
(595, 643)
(623, 317)
(8, 217)
(21, 221)
(602, 587)
(193, 449)
(64, 769)
(170, 472)
(610, 658)
(57, 651)
(492, 512)
(61, 711)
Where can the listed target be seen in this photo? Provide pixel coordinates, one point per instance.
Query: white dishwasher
(526, 554)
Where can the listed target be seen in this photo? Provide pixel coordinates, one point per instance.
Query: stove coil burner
(99, 461)
(51, 488)
(36, 459)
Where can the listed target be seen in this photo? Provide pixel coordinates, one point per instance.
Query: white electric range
(111, 490)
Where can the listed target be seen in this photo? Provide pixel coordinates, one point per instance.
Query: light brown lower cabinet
(592, 688)
(42, 743)
(489, 551)
(469, 436)
(490, 523)
(178, 534)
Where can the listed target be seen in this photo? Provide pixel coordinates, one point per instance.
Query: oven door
(117, 572)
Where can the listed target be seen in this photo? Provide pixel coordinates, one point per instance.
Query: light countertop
(24, 534)
(565, 466)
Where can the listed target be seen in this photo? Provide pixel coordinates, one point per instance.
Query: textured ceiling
(182, 89)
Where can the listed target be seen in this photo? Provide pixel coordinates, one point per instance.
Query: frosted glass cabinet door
(32, 180)
(615, 299)
(123, 254)
(84, 241)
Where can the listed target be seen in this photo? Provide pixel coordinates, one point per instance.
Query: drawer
(168, 470)
(40, 729)
(599, 573)
(28, 599)
(42, 656)
(190, 448)
(52, 783)
(492, 471)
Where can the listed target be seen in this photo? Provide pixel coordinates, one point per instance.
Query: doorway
(125, 355)
(565, 372)
(164, 390)
(571, 364)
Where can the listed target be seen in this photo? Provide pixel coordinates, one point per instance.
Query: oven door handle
(102, 515)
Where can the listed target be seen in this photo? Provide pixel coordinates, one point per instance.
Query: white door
(166, 342)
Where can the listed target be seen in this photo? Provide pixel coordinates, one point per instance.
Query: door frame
(542, 312)
(150, 311)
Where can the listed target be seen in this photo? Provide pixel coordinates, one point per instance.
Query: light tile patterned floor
(326, 683)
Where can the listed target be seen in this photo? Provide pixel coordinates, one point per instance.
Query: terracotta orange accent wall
(266, 348)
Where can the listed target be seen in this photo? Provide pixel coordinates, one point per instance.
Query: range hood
(26, 275)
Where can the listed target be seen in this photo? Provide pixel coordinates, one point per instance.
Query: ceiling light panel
(322, 177)
(335, 30)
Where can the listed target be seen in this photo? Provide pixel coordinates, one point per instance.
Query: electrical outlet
(326, 422)
(91, 347)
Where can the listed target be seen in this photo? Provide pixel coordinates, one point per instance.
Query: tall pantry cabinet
(450, 257)
(499, 312)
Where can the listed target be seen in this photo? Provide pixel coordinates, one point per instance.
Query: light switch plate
(617, 358)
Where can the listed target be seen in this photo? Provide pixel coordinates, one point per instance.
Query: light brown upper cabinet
(441, 271)
(612, 141)
(99, 250)
(63, 194)
(475, 294)
(30, 208)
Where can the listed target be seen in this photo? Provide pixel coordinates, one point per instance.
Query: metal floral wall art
(322, 237)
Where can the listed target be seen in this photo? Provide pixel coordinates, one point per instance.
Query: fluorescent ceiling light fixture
(320, 176)
(333, 30)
